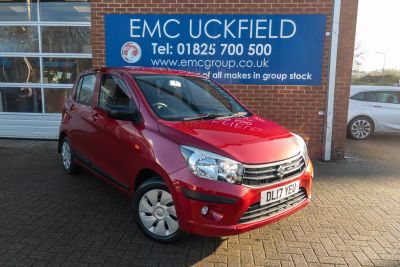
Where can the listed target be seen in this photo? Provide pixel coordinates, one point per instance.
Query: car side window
(388, 97)
(84, 94)
(78, 89)
(113, 91)
(359, 97)
(371, 97)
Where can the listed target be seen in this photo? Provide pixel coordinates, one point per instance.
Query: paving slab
(50, 218)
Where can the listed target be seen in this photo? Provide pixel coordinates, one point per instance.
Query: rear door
(358, 106)
(385, 106)
(81, 117)
(115, 142)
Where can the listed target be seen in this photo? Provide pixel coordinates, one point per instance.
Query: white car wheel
(68, 157)
(360, 128)
(157, 212)
(154, 211)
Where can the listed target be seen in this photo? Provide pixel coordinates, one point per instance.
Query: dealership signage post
(232, 49)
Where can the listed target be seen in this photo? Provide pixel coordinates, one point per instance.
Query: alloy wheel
(361, 128)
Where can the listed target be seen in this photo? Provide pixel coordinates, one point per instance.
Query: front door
(114, 152)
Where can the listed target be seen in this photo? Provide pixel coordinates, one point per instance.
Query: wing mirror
(123, 113)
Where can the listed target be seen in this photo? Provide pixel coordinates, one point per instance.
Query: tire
(67, 157)
(360, 128)
(154, 211)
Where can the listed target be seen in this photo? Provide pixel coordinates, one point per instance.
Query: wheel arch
(150, 170)
(143, 176)
(60, 139)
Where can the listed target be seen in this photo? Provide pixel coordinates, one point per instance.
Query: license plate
(279, 193)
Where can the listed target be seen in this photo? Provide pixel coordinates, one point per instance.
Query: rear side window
(388, 97)
(113, 91)
(359, 97)
(84, 94)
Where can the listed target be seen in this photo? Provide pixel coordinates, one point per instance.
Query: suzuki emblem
(280, 172)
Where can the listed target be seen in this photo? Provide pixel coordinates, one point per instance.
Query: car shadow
(109, 213)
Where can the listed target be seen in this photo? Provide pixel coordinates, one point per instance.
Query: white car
(373, 109)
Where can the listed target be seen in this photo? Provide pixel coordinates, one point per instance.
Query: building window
(54, 99)
(64, 70)
(20, 99)
(15, 39)
(66, 39)
(19, 70)
(64, 10)
(18, 10)
(44, 45)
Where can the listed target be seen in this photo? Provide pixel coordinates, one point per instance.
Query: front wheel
(154, 211)
(360, 128)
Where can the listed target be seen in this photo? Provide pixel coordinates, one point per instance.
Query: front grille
(260, 175)
(258, 212)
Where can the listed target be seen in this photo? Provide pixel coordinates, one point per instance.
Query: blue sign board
(231, 49)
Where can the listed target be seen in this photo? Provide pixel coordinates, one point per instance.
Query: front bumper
(226, 203)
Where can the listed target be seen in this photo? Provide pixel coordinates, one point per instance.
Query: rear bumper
(226, 203)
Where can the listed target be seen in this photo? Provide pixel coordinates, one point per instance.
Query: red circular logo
(131, 52)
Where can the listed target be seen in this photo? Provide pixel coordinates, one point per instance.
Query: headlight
(211, 166)
(303, 147)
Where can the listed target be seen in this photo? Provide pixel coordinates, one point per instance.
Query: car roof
(354, 89)
(148, 70)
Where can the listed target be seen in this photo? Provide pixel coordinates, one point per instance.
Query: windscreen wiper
(207, 116)
(233, 115)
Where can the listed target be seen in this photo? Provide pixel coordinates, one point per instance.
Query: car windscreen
(180, 97)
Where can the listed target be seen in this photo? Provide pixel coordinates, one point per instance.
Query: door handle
(96, 116)
(377, 106)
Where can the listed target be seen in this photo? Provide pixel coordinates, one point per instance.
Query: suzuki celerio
(190, 155)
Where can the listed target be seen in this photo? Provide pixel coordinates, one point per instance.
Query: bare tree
(359, 52)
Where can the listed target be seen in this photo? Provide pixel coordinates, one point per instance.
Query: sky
(378, 30)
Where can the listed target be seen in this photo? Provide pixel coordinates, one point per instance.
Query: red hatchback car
(191, 156)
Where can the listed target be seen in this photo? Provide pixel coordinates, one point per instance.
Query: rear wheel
(154, 211)
(360, 127)
(67, 157)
